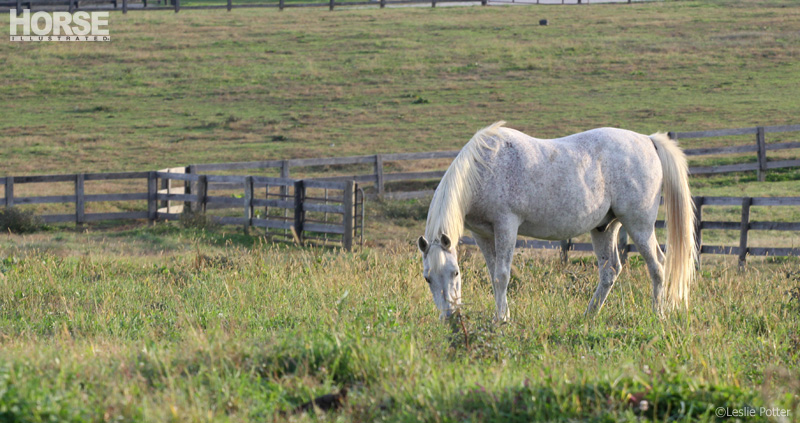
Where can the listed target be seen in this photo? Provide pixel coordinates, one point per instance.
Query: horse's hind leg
(605, 248)
(647, 245)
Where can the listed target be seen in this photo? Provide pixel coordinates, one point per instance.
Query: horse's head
(440, 269)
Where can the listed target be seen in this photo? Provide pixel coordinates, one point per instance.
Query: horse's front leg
(486, 243)
(505, 240)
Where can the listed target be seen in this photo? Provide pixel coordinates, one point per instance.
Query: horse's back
(594, 141)
(601, 149)
(606, 148)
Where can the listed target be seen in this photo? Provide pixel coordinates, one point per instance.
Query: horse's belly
(565, 224)
(543, 230)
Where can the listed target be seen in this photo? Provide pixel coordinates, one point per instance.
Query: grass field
(113, 323)
(211, 86)
(232, 333)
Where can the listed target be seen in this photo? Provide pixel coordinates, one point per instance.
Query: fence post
(10, 191)
(19, 7)
(379, 174)
(280, 6)
(124, 6)
(762, 154)
(248, 204)
(71, 6)
(299, 212)
(189, 187)
(202, 193)
(698, 227)
(348, 204)
(230, 5)
(383, 4)
(80, 204)
(359, 213)
(746, 201)
(177, 5)
(285, 169)
(165, 185)
(331, 4)
(433, 3)
(152, 197)
(284, 189)
(565, 246)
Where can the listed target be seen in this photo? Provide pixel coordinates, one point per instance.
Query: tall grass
(240, 334)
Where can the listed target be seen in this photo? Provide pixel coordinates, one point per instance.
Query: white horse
(504, 183)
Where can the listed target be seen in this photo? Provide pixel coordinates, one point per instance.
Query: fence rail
(760, 147)
(378, 177)
(175, 5)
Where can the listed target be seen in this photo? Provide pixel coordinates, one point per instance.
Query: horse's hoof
(500, 321)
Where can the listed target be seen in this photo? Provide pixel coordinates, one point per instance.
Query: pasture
(233, 333)
(170, 323)
(214, 86)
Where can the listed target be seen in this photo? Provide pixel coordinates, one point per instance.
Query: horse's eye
(428, 280)
(455, 274)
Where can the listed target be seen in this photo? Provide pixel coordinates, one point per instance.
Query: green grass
(212, 86)
(243, 333)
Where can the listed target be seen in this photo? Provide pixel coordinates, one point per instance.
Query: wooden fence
(378, 178)
(282, 195)
(304, 215)
(304, 210)
(80, 198)
(176, 6)
(760, 147)
(743, 226)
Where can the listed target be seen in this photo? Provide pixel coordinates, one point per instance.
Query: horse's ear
(446, 241)
(423, 245)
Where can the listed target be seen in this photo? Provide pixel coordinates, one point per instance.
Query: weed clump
(17, 221)
(197, 220)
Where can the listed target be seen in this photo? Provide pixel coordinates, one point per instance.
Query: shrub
(19, 221)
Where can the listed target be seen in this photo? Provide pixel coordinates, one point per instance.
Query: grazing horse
(505, 183)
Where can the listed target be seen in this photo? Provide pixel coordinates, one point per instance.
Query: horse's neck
(456, 190)
(446, 215)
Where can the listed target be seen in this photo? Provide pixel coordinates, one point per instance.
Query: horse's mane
(455, 191)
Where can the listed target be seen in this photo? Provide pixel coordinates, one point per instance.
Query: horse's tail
(681, 252)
